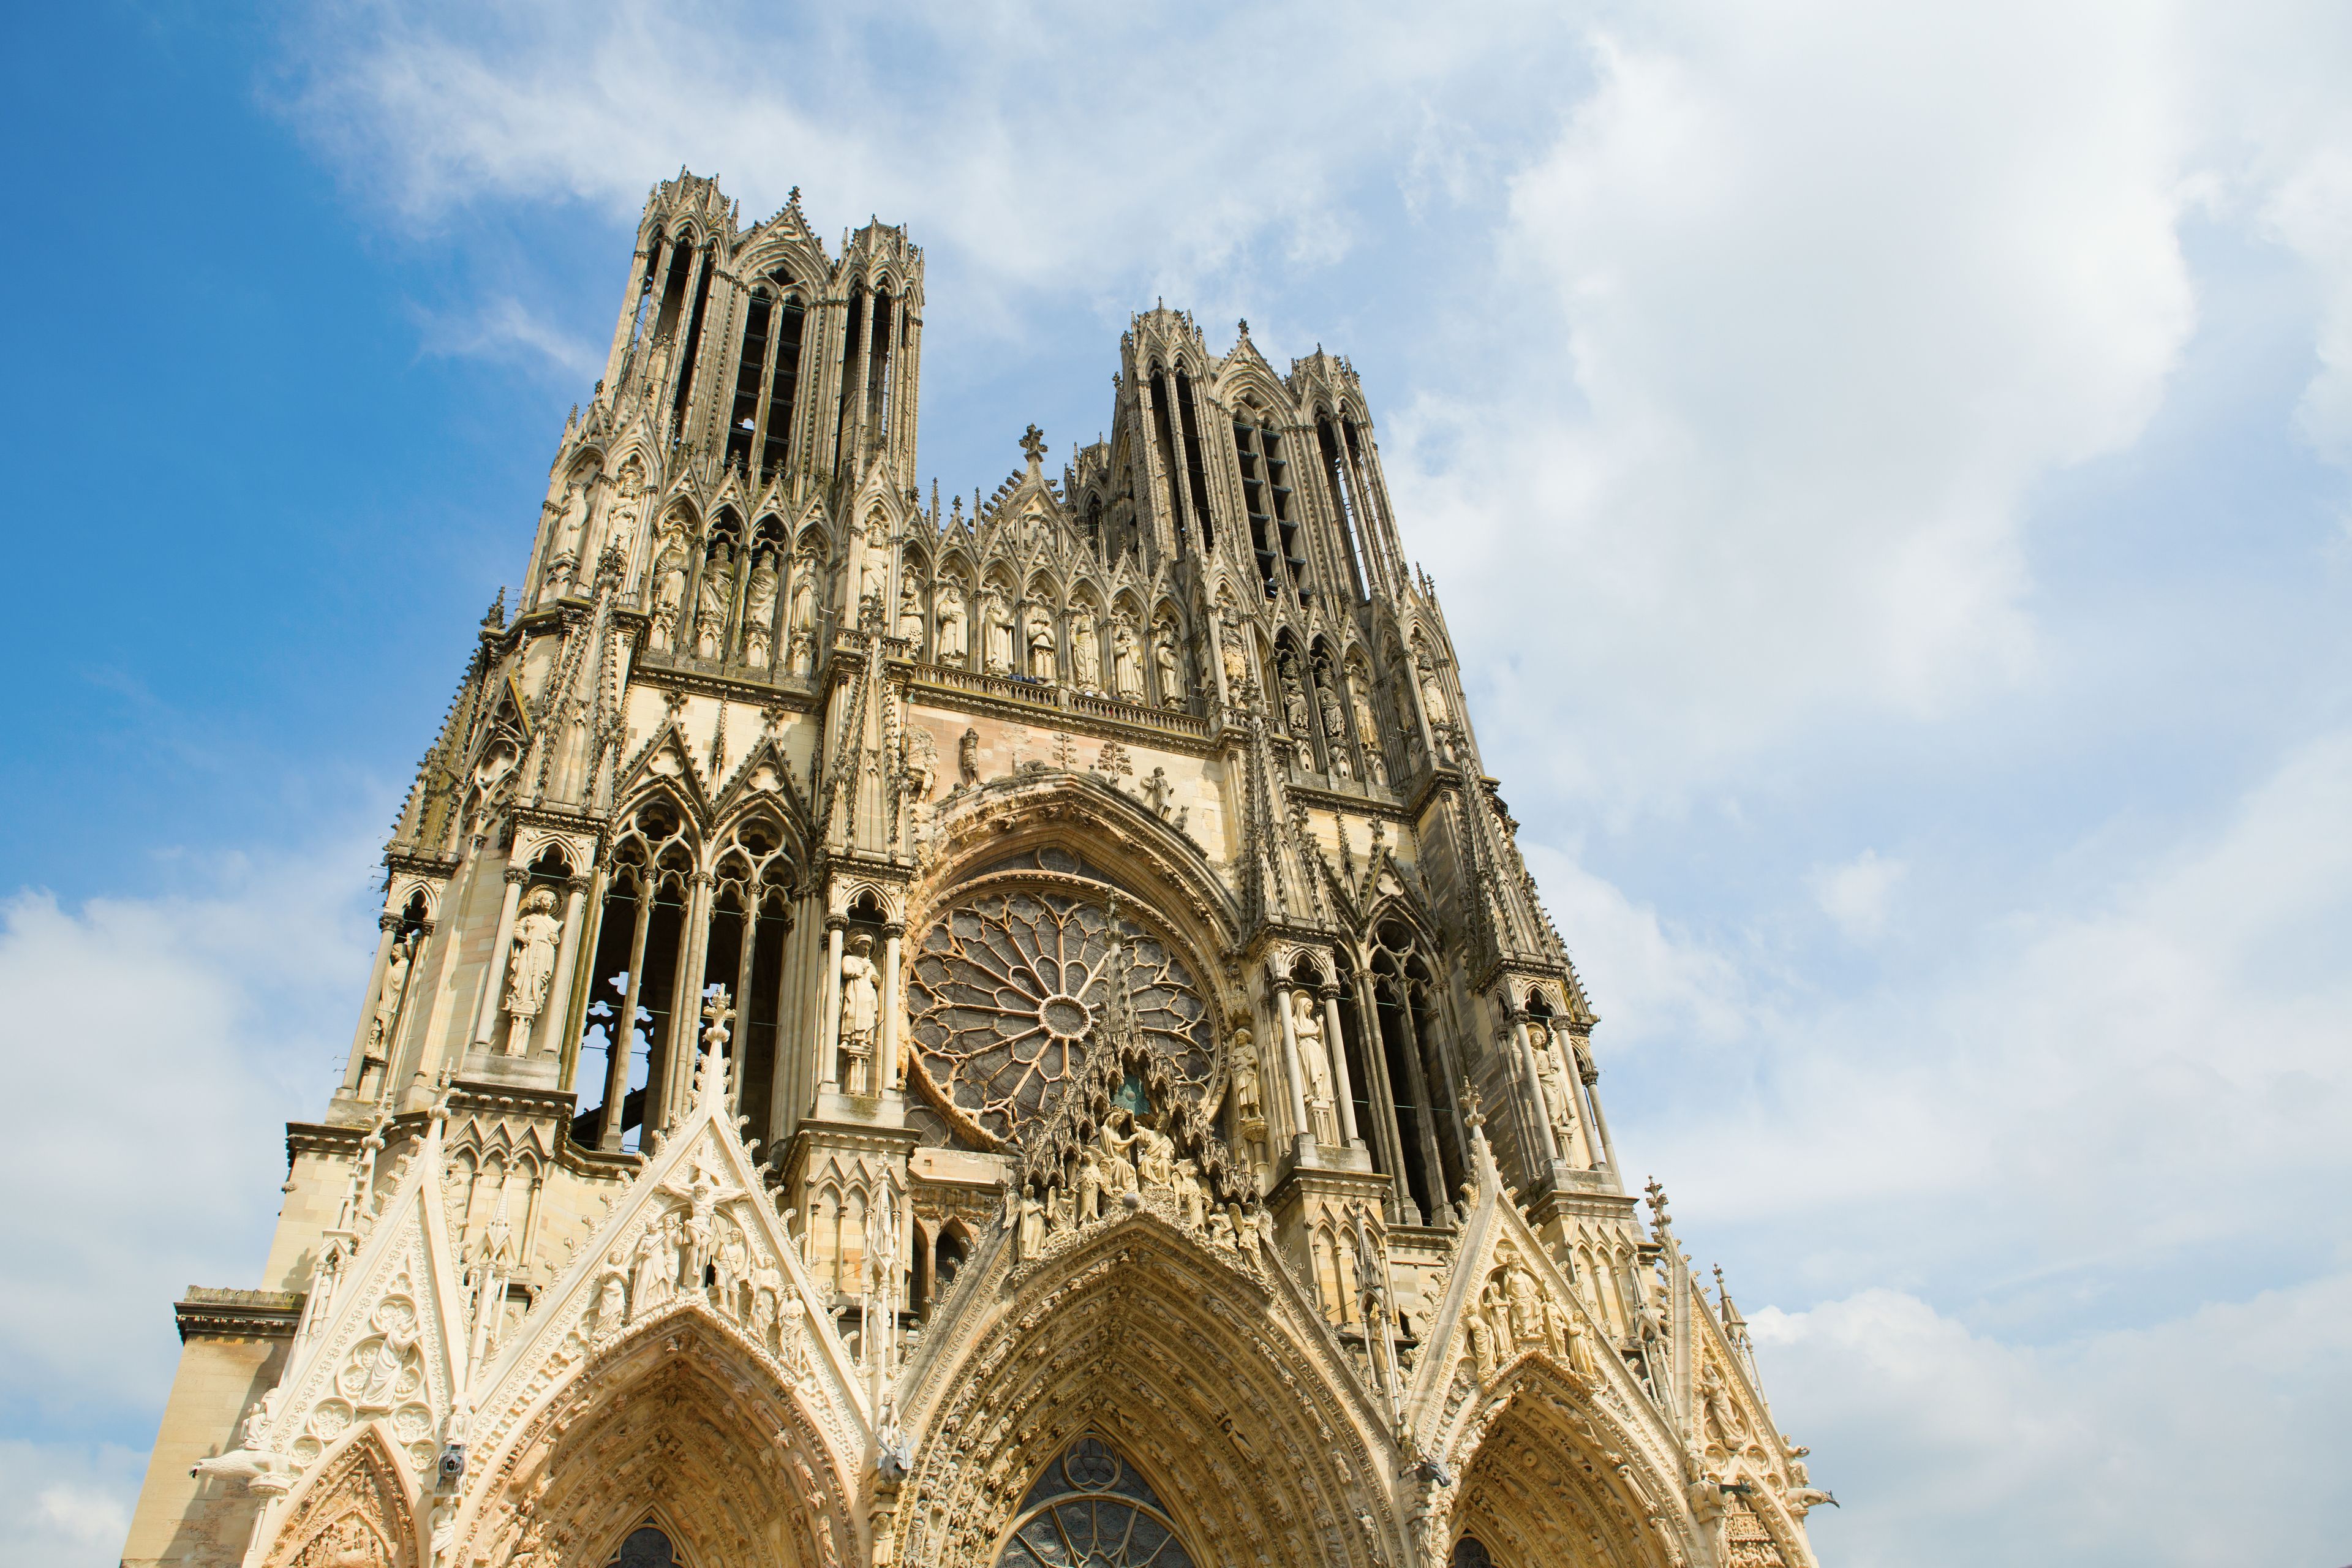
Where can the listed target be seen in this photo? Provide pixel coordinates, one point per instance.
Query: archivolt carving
(355, 1513)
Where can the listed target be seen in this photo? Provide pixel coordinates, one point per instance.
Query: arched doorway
(1092, 1508)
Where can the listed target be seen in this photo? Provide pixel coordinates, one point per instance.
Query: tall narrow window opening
(1343, 505)
(784, 386)
(852, 345)
(692, 342)
(1168, 456)
(1198, 475)
(877, 369)
(743, 418)
(654, 256)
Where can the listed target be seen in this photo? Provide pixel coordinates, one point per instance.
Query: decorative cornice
(206, 1312)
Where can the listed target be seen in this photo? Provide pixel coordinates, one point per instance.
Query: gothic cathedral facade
(1010, 1034)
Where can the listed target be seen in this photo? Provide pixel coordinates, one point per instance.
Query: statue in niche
(670, 592)
(712, 603)
(1721, 1413)
(1085, 651)
(1127, 665)
(1327, 702)
(911, 615)
(1243, 1056)
(1171, 671)
(1029, 1239)
(531, 964)
(792, 1327)
(1432, 694)
(1482, 1348)
(967, 759)
(996, 630)
(803, 618)
(861, 1005)
(387, 998)
(1314, 1064)
(1191, 1192)
(869, 580)
(1042, 664)
(1559, 1106)
(759, 611)
(621, 526)
(572, 526)
(1295, 719)
(1525, 1300)
(952, 647)
(1229, 645)
(1367, 729)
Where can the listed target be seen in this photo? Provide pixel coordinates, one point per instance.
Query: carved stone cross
(1033, 442)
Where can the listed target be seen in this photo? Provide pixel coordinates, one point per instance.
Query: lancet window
(1266, 497)
(1092, 1508)
(767, 377)
(1163, 426)
(690, 341)
(667, 936)
(1345, 501)
(1195, 474)
(1400, 1070)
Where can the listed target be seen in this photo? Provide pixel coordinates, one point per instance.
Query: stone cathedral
(1005, 1034)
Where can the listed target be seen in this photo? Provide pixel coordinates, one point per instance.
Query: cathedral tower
(960, 1035)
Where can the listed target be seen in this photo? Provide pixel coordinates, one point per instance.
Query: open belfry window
(1344, 500)
(743, 418)
(1194, 472)
(1162, 428)
(767, 377)
(1266, 497)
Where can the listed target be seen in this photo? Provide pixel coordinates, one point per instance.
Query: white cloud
(154, 1050)
(1855, 894)
(65, 1505)
(504, 328)
(2214, 1437)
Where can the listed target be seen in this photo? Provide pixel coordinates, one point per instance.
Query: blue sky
(1888, 474)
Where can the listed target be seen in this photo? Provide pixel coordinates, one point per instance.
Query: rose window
(1006, 988)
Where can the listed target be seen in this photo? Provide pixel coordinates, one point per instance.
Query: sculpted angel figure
(996, 627)
(759, 611)
(1171, 673)
(1294, 703)
(910, 614)
(1085, 652)
(670, 592)
(712, 605)
(1126, 669)
(861, 1004)
(531, 964)
(1042, 664)
(1243, 1056)
(1313, 1062)
(951, 648)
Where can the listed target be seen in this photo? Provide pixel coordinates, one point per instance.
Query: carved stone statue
(612, 1297)
(1559, 1106)
(968, 758)
(996, 627)
(760, 612)
(1171, 670)
(803, 612)
(655, 1266)
(1085, 652)
(1314, 1064)
(911, 615)
(387, 998)
(1127, 668)
(1089, 1184)
(922, 768)
(1044, 665)
(669, 592)
(1230, 649)
(713, 602)
(1326, 704)
(869, 579)
(861, 1006)
(1433, 693)
(531, 966)
(953, 646)
(1242, 1057)
(1030, 1238)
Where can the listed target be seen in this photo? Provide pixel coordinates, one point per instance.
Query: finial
(1658, 1213)
(1473, 1115)
(1033, 443)
(495, 617)
(1244, 324)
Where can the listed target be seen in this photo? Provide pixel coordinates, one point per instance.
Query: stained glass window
(1009, 983)
(1091, 1510)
